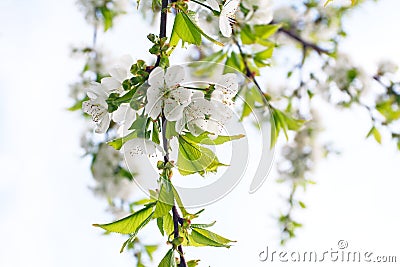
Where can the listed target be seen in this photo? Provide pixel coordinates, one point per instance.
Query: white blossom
(387, 66)
(104, 170)
(260, 11)
(165, 93)
(124, 116)
(97, 107)
(203, 115)
(137, 148)
(119, 74)
(227, 15)
(98, 93)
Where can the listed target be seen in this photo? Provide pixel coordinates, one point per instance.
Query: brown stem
(249, 73)
(290, 33)
(175, 214)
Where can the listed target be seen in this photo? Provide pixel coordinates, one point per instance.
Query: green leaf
(302, 205)
(386, 108)
(190, 17)
(168, 224)
(192, 263)
(260, 58)
(205, 139)
(180, 203)
(165, 199)
(108, 16)
(127, 242)
(202, 225)
(131, 224)
(376, 134)
(193, 158)
(207, 238)
(150, 249)
(114, 100)
(234, 63)
(168, 260)
(282, 121)
(170, 129)
(119, 142)
(184, 30)
(160, 225)
(78, 105)
(155, 134)
(251, 96)
(247, 36)
(266, 31)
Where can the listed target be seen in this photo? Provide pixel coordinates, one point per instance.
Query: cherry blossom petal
(174, 75)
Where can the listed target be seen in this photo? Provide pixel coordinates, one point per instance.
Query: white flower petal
(140, 146)
(110, 83)
(225, 26)
(228, 12)
(181, 95)
(103, 124)
(123, 114)
(153, 109)
(174, 75)
(173, 111)
(96, 90)
(126, 62)
(156, 77)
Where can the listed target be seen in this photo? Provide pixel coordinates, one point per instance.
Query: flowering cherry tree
(170, 116)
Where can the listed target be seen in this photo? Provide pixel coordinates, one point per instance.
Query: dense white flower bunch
(195, 110)
(191, 110)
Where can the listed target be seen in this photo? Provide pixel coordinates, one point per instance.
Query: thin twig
(249, 73)
(290, 33)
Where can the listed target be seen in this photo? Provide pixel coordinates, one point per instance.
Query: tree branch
(250, 74)
(290, 33)
(175, 214)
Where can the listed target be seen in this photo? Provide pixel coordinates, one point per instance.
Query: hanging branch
(175, 215)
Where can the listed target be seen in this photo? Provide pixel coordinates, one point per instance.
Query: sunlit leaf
(168, 260)
(130, 224)
(204, 138)
(193, 158)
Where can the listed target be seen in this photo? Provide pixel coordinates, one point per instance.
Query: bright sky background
(46, 209)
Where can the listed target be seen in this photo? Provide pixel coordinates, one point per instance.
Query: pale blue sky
(47, 210)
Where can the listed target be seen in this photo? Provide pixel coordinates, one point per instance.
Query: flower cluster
(198, 111)
(168, 94)
(98, 93)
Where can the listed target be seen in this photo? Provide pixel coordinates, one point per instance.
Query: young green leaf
(168, 224)
(207, 238)
(376, 134)
(160, 225)
(131, 224)
(184, 30)
(192, 263)
(205, 139)
(119, 142)
(150, 249)
(234, 63)
(193, 158)
(168, 260)
(266, 31)
(165, 199)
(202, 225)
